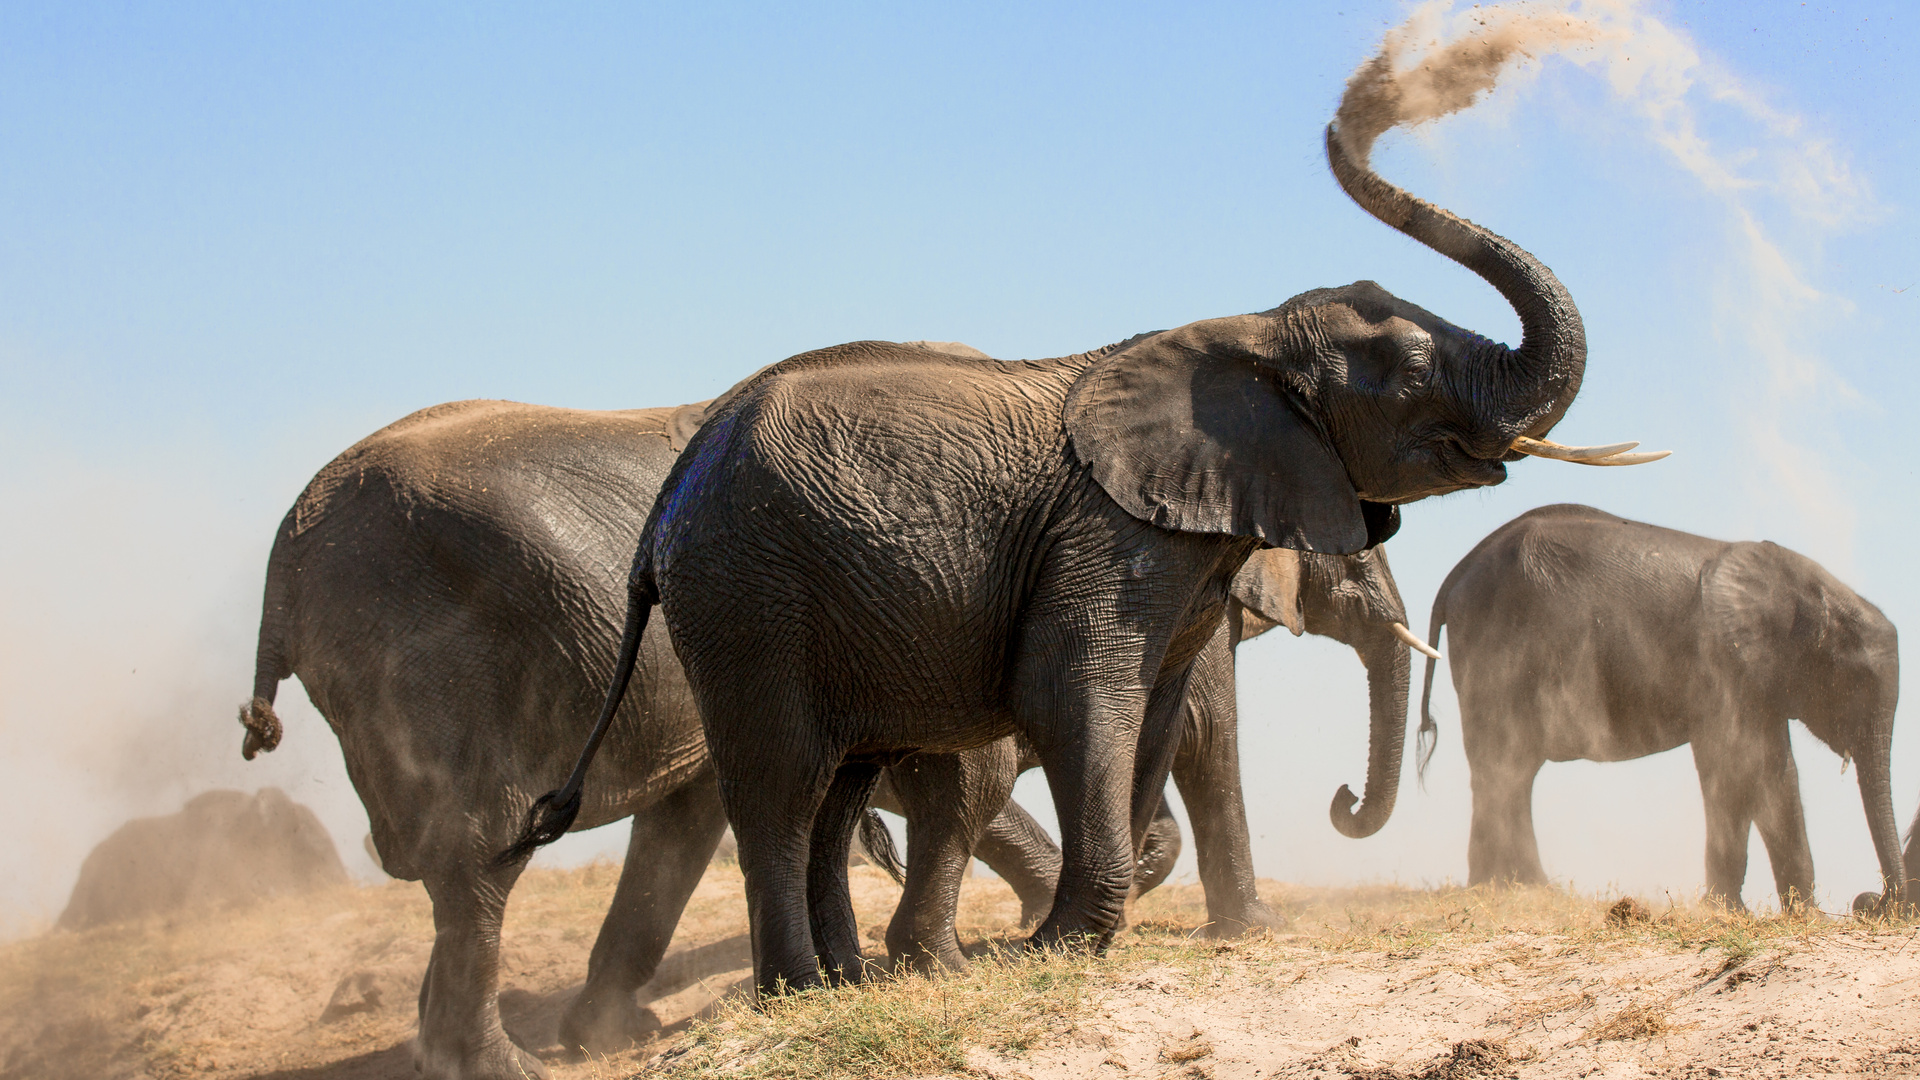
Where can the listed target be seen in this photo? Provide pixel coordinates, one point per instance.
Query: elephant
(448, 592)
(1350, 598)
(942, 551)
(1576, 634)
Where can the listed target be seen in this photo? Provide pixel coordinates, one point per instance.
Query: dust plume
(1771, 175)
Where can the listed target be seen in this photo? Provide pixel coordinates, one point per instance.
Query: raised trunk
(1528, 389)
(1388, 672)
(1876, 795)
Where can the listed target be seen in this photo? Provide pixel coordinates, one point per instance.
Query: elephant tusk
(1545, 449)
(1611, 454)
(1413, 640)
(1640, 458)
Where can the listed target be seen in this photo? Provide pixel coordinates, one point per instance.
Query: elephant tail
(1429, 734)
(552, 814)
(272, 660)
(876, 843)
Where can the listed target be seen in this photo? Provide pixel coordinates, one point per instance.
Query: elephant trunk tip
(1355, 825)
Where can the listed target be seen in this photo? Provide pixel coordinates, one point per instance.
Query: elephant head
(1307, 425)
(1354, 600)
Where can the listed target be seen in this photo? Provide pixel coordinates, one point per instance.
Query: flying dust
(1766, 309)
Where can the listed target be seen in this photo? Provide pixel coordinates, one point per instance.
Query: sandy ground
(324, 987)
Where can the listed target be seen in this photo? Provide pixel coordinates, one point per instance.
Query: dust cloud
(126, 636)
(1770, 170)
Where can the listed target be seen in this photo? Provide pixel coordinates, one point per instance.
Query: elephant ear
(1268, 584)
(1188, 432)
(685, 420)
(1759, 607)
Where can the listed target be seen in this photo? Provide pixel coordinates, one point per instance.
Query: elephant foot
(497, 1059)
(1254, 916)
(604, 1022)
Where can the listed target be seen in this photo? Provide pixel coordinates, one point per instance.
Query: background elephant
(940, 552)
(1575, 634)
(1350, 598)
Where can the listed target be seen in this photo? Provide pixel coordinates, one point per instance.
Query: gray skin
(1575, 634)
(1352, 599)
(940, 552)
(448, 592)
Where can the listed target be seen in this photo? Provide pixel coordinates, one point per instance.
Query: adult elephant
(1575, 634)
(448, 592)
(940, 552)
(1350, 598)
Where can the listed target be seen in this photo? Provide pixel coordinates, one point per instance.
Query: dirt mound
(223, 848)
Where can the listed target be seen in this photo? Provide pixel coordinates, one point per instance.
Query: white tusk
(1640, 458)
(1545, 449)
(1413, 640)
(1611, 454)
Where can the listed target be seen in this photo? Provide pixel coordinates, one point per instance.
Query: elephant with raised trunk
(1577, 635)
(1350, 598)
(940, 552)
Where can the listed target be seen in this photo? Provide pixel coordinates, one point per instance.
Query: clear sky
(236, 238)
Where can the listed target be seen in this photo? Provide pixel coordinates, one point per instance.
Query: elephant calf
(1575, 634)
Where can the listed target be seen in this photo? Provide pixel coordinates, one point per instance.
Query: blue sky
(238, 238)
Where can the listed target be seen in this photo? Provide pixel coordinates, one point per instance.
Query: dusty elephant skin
(1350, 598)
(941, 551)
(447, 592)
(1575, 634)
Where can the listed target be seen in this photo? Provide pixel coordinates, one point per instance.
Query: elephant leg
(1501, 846)
(1783, 823)
(835, 931)
(1025, 857)
(671, 844)
(1092, 796)
(772, 810)
(1207, 772)
(949, 800)
(1727, 789)
(460, 1033)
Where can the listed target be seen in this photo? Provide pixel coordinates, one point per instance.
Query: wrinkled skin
(1575, 634)
(448, 592)
(940, 552)
(1352, 599)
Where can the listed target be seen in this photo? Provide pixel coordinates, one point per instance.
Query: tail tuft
(548, 819)
(876, 842)
(263, 727)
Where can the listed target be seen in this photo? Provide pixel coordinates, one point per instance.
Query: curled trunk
(1526, 389)
(1388, 670)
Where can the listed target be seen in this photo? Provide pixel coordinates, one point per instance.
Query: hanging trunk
(1527, 389)
(1876, 795)
(1388, 670)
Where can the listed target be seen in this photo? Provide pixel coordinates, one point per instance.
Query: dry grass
(1010, 1000)
(187, 997)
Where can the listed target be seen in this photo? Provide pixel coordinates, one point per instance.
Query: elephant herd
(897, 574)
